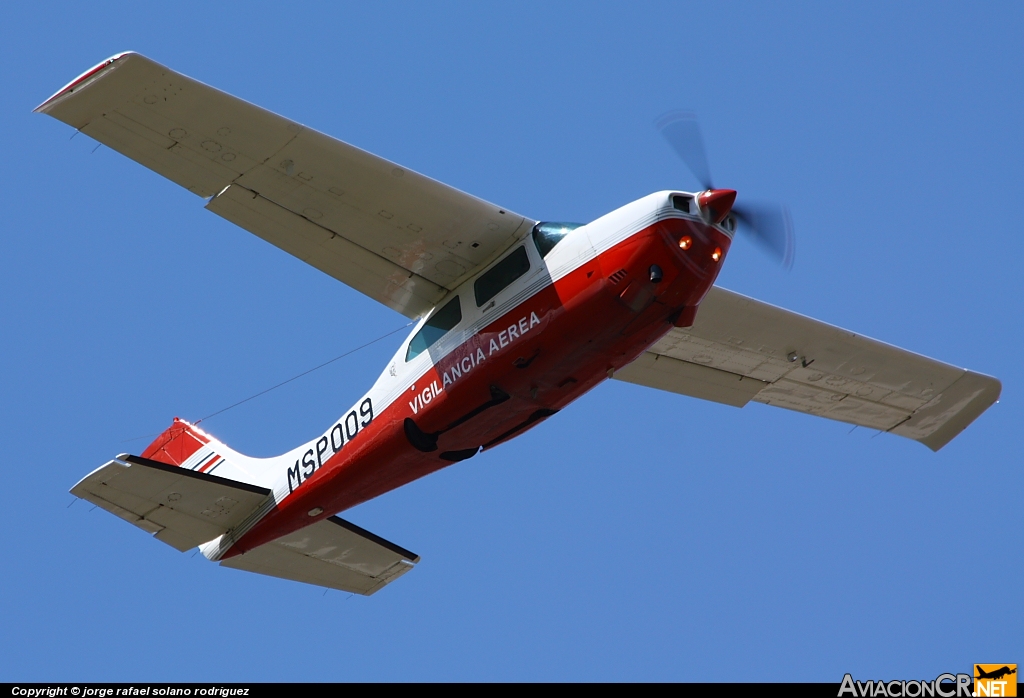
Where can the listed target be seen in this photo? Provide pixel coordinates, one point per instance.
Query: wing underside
(181, 507)
(331, 553)
(741, 350)
(395, 235)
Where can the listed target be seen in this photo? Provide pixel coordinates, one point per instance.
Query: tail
(187, 446)
(223, 493)
(222, 499)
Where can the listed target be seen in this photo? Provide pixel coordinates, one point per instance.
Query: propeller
(767, 223)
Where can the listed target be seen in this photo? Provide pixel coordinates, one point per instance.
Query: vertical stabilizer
(187, 446)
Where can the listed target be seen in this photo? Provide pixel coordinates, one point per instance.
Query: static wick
(96, 148)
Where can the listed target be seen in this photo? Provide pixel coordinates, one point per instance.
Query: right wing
(395, 235)
(740, 349)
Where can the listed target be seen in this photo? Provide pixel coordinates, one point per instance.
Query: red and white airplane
(517, 319)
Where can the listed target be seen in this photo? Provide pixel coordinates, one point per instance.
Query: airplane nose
(715, 204)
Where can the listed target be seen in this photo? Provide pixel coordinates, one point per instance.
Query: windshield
(547, 235)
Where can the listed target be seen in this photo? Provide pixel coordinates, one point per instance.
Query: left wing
(740, 349)
(391, 233)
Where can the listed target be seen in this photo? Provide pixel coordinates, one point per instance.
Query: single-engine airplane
(516, 319)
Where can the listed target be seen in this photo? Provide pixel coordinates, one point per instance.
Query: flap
(332, 254)
(330, 553)
(182, 507)
(687, 378)
(205, 140)
(740, 349)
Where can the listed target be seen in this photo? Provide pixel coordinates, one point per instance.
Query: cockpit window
(547, 235)
(497, 278)
(438, 326)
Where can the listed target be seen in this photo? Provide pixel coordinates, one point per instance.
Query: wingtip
(981, 392)
(81, 80)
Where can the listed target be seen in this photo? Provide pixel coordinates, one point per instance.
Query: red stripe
(209, 463)
(81, 78)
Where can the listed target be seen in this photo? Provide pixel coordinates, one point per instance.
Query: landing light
(717, 254)
(685, 242)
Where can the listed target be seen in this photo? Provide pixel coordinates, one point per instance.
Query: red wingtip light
(74, 84)
(717, 254)
(685, 242)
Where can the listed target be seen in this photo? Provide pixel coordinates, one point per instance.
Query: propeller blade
(770, 225)
(682, 132)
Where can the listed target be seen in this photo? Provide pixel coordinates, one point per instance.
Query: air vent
(682, 203)
(617, 276)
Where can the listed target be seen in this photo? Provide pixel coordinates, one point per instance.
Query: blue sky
(637, 535)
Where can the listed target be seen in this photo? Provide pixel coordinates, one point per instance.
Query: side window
(498, 277)
(438, 326)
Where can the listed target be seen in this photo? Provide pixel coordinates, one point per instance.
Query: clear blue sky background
(639, 535)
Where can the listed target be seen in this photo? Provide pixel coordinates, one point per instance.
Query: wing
(740, 349)
(395, 235)
(331, 553)
(182, 507)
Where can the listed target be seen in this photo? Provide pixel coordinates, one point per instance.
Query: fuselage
(532, 333)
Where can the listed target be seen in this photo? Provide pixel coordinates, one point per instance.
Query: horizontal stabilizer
(182, 507)
(331, 553)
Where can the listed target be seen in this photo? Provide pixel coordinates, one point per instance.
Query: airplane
(994, 674)
(515, 319)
